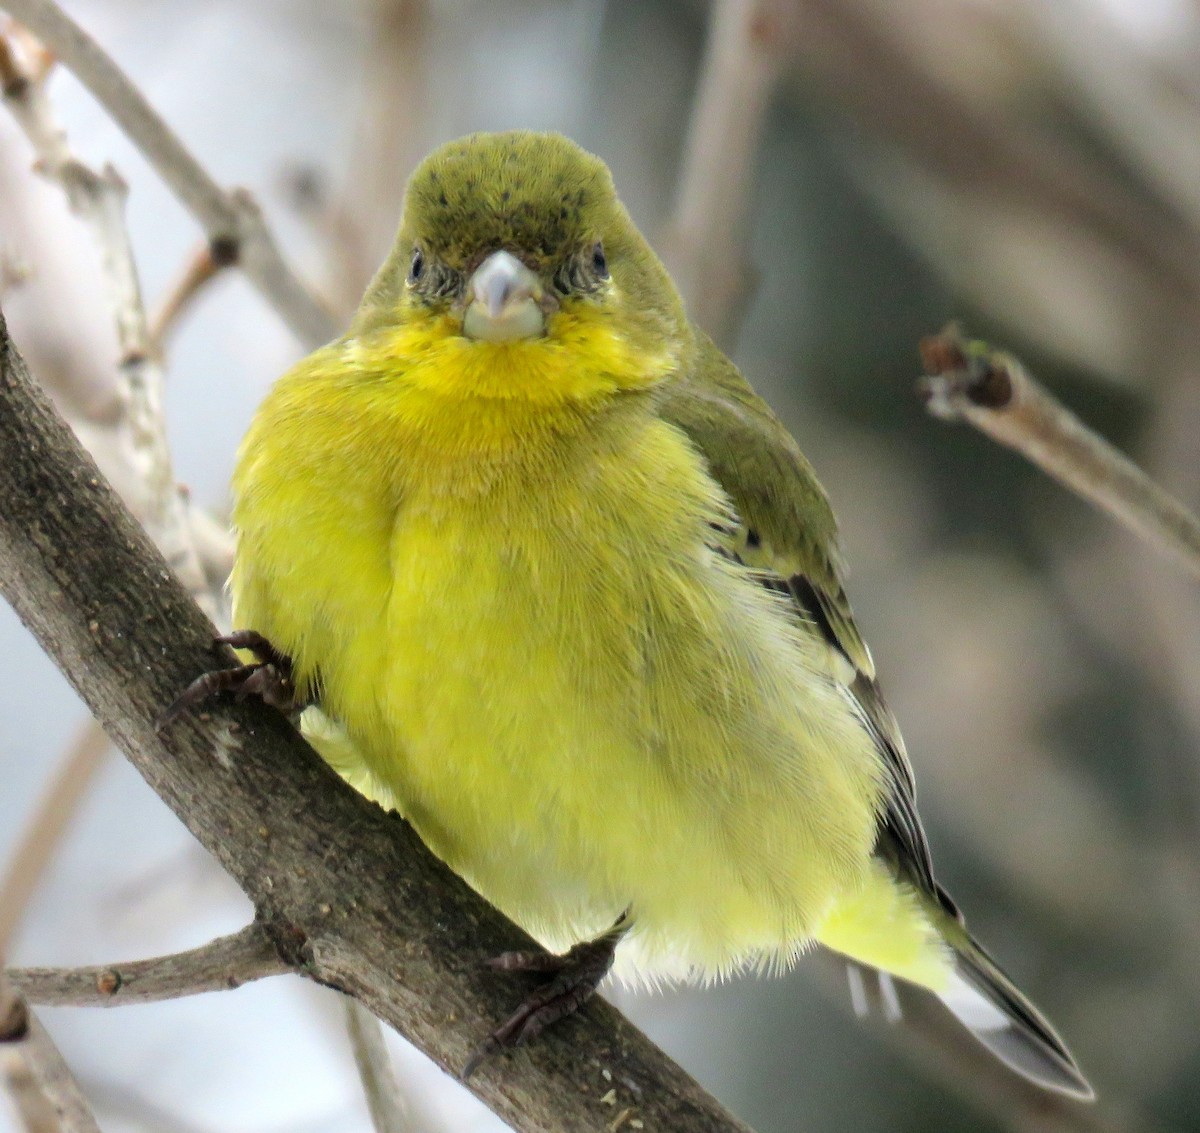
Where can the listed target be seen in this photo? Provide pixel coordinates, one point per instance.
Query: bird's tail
(989, 1005)
(896, 930)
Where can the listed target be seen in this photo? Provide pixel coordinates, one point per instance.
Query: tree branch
(45, 831)
(232, 221)
(705, 243)
(140, 427)
(375, 1069)
(968, 381)
(222, 964)
(43, 1068)
(344, 891)
(38, 1079)
(202, 267)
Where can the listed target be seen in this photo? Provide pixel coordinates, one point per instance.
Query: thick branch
(344, 890)
(224, 963)
(232, 220)
(992, 391)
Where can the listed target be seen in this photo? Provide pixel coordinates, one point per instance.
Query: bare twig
(992, 391)
(33, 1107)
(224, 963)
(45, 830)
(14, 1015)
(231, 220)
(375, 1069)
(205, 264)
(345, 891)
(40, 1066)
(705, 243)
(99, 199)
(36, 1075)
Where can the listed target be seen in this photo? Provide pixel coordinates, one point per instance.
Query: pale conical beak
(504, 301)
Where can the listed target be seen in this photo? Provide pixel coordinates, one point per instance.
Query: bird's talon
(574, 977)
(480, 1055)
(257, 644)
(525, 962)
(269, 678)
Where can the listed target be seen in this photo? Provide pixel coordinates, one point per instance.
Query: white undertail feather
(890, 997)
(858, 991)
(971, 1008)
(986, 1002)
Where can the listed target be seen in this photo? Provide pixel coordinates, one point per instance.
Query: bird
(539, 570)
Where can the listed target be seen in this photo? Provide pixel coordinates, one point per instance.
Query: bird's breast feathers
(580, 704)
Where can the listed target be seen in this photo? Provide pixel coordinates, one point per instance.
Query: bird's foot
(573, 979)
(269, 678)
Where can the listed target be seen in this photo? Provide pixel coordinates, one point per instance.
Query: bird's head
(516, 261)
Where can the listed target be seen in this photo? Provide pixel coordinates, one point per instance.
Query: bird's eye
(599, 263)
(417, 268)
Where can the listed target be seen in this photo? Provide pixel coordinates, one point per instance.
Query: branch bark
(40, 1074)
(232, 220)
(140, 425)
(992, 391)
(345, 892)
(40, 1082)
(221, 964)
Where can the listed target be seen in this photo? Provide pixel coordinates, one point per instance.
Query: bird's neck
(464, 411)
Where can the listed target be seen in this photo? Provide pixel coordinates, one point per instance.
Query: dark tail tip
(989, 1005)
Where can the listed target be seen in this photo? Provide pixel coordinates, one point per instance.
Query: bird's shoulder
(787, 534)
(787, 524)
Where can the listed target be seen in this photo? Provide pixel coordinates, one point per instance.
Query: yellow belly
(584, 710)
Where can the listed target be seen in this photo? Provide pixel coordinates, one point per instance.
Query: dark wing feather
(789, 536)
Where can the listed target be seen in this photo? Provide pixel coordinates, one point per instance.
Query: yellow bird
(559, 587)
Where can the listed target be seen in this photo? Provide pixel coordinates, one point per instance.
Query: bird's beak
(504, 301)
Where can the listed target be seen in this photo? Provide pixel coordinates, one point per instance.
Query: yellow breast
(580, 706)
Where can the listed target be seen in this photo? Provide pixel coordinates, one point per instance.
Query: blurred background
(830, 180)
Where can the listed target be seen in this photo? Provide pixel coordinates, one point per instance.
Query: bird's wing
(788, 534)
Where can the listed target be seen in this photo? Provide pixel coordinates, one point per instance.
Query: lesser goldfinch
(562, 589)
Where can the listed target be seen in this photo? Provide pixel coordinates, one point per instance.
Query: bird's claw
(574, 977)
(269, 678)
